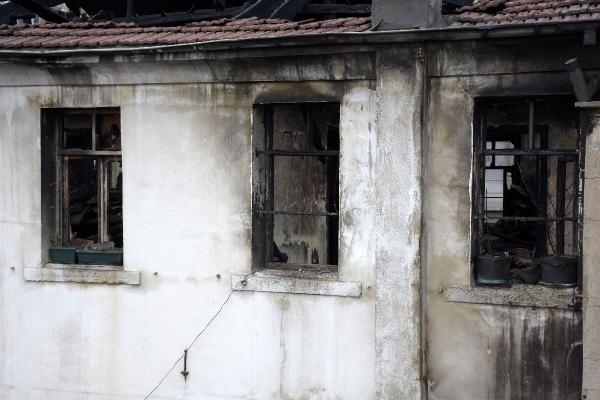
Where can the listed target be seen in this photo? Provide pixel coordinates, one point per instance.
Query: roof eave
(521, 30)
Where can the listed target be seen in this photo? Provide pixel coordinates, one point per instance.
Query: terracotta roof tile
(492, 12)
(111, 34)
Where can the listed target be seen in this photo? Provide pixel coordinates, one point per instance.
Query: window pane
(115, 202)
(300, 183)
(83, 199)
(77, 131)
(494, 189)
(290, 128)
(504, 161)
(108, 132)
(301, 239)
(306, 127)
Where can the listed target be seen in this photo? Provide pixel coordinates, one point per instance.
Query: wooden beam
(337, 9)
(41, 10)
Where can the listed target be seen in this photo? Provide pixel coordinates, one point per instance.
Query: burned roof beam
(272, 9)
(41, 10)
(338, 9)
(459, 2)
(288, 9)
(179, 17)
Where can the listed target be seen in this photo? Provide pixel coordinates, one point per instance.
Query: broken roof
(498, 12)
(110, 34)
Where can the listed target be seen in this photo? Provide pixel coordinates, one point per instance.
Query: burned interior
(296, 185)
(83, 191)
(527, 194)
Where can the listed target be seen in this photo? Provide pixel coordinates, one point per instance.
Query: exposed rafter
(41, 10)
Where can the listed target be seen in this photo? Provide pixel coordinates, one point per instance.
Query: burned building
(300, 200)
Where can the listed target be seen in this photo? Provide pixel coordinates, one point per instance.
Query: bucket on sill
(63, 255)
(559, 270)
(492, 270)
(100, 257)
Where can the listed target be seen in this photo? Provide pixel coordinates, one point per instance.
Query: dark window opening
(296, 185)
(527, 194)
(82, 178)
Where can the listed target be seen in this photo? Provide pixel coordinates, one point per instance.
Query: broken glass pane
(108, 132)
(77, 131)
(83, 199)
(301, 239)
(115, 202)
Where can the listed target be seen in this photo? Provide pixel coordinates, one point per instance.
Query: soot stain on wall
(538, 356)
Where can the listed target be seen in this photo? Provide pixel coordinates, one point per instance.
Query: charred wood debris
(178, 12)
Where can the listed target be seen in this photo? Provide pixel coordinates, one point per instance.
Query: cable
(198, 335)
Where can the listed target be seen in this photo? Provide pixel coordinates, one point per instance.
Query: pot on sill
(528, 273)
(559, 271)
(492, 270)
(100, 257)
(63, 255)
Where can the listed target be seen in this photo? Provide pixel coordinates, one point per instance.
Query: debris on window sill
(315, 282)
(78, 273)
(522, 295)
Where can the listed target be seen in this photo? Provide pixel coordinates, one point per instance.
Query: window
(295, 186)
(527, 192)
(82, 182)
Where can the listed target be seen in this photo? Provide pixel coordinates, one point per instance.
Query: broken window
(82, 179)
(527, 193)
(295, 185)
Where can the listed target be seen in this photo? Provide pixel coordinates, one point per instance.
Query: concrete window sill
(517, 295)
(281, 281)
(101, 274)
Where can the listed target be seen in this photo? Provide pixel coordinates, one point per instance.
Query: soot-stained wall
(187, 157)
(475, 350)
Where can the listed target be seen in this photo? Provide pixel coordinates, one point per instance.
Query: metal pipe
(584, 90)
(130, 8)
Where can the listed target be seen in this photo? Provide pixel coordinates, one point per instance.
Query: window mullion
(530, 133)
(65, 232)
(102, 200)
(270, 172)
(93, 131)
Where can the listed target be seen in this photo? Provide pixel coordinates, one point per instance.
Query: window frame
(263, 190)
(62, 156)
(479, 153)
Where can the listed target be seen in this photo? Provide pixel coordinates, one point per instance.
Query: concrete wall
(591, 355)
(405, 202)
(187, 207)
(510, 350)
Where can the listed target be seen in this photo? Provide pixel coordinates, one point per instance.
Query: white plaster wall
(186, 177)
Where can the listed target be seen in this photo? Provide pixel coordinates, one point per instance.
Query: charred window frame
(82, 178)
(296, 186)
(531, 150)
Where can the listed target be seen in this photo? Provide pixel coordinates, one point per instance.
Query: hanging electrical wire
(210, 321)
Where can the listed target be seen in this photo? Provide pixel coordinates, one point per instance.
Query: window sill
(76, 273)
(305, 282)
(517, 295)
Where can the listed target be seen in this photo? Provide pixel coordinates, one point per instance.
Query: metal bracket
(185, 372)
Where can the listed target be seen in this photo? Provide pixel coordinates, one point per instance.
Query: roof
(111, 35)
(498, 12)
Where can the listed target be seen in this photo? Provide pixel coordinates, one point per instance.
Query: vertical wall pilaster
(398, 182)
(591, 255)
